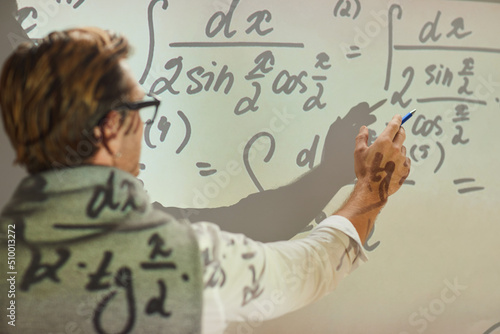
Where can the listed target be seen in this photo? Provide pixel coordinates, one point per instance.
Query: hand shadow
(279, 214)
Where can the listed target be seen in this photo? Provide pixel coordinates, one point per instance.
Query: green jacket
(84, 251)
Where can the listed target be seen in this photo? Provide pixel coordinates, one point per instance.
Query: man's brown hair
(53, 93)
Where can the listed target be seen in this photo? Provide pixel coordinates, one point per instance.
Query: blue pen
(408, 116)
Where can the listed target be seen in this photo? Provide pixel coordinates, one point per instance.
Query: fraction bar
(448, 99)
(235, 44)
(159, 265)
(444, 48)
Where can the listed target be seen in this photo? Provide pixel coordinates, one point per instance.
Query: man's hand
(382, 166)
(381, 169)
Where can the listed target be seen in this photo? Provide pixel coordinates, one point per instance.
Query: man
(89, 251)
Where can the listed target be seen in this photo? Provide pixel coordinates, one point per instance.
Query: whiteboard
(261, 101)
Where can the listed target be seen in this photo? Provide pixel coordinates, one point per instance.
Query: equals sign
(355, 54)
(205, 172)
(467, 190)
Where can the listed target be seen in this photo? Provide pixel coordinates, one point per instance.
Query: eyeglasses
(142, 106)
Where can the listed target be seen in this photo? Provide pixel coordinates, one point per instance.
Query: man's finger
(392, 128)
(400, 137)
(362, 138)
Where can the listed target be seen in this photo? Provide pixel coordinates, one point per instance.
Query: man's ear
(106, 133)
(111, 125)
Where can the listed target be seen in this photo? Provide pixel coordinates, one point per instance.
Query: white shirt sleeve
(246, 280)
